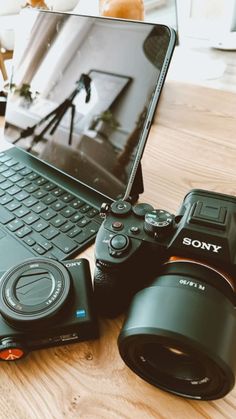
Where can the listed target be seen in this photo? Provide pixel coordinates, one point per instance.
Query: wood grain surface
(192, 144)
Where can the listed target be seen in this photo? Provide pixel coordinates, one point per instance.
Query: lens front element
(33, 291)
(180, 335)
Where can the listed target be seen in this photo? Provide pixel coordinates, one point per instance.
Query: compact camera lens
(33, 291)
(180, 333)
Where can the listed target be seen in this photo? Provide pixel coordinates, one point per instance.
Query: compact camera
(45, 303)
(180, 330)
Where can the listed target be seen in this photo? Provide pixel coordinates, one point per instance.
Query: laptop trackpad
(11, 252)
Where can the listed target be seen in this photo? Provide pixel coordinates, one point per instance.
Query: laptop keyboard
(47, 218)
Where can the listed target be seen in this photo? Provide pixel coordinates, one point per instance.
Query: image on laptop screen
(80, 94)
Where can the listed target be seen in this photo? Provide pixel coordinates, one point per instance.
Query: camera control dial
(121, 208)
(158, 222)
(118, 245)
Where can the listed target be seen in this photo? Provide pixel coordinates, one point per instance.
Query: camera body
(134, 242)
(180, 330)
(45, 303)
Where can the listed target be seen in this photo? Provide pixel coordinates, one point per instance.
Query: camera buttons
(134, 230)
(121, 208)
(118, 245)
(117, 225)
(141, 209)
(10, 350)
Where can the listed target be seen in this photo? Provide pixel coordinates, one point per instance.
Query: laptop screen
(81, 92)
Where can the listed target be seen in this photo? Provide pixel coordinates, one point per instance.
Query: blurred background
(206, 29)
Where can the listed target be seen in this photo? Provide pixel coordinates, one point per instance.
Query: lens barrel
(180, 333)
(34, 292)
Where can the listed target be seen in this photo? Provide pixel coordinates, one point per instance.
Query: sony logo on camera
(201, 245)
(72, 264)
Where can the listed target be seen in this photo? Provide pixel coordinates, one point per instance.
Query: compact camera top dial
(158, 222)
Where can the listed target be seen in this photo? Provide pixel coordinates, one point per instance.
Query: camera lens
(34, 291)
(180, 333)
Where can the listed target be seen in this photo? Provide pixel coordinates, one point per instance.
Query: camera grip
(110, 291)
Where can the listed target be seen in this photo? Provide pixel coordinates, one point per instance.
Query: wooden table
(192, 144)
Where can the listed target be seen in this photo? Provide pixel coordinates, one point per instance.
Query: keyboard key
(85, 209)
(72, 233)
(77, 203)
(5, 185)
(92, 213)
(16, 178)
(40, 181)
(76, 217)
(3, 168)
(50, 233)
(29, 241)
(83, 222)
(13, 205)
(14, 225)
(58, 221)
(38, 208)
(39, 249)
(21, 212)
(68, 212)
(11, 163)
(40, 226)
(13, 190)
(31, 188)
(49, 186)
(23, 183)
(39, 194)
(66, 227)
(49, 199)
(57, 206)
(23, 231)
(64, 243)
(56, 253)
(2, 192)
(45, 244)
(30, 201)
(21, 195)
(30, 218)
(19, 167)
(32, 176)
(48, 214)
(58, 192)
(67, 197)
(25, 171)
(5, 199)
(87, 233)
(4, 158)
(8, 173)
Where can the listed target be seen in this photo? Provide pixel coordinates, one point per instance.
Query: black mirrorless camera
(45, 303)
(180, 331)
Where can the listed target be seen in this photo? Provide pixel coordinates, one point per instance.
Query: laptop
(81, 100)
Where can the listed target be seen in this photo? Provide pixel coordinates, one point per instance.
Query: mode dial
(158, 222)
